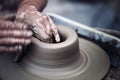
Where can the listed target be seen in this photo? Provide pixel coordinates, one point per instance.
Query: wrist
(22, 11)
(39, 4)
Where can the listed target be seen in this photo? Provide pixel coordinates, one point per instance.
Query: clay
(55, 54)
(72, 59)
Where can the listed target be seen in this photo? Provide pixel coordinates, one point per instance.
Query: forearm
(39, 4)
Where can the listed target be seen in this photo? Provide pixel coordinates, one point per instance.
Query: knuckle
(29, 33)
(45, 17)
(20, 15)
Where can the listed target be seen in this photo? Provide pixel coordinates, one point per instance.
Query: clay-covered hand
(43, 24)
(13, 36)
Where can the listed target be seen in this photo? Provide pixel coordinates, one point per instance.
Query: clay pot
(55, 55)
(72, 59)
(60, 60)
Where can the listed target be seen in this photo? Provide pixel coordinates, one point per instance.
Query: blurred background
(93, 13)
(103, 15)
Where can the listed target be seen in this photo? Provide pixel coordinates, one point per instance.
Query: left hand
(44, 26)
(13, 36)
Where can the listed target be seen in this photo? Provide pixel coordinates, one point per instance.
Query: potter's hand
(13, 36)
(44, 26)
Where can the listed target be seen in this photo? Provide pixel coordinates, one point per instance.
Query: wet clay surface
(83, 65)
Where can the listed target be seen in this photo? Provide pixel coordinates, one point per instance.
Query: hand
(13, 36)
(44, 26)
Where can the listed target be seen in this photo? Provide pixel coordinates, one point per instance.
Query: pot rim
(70, 35)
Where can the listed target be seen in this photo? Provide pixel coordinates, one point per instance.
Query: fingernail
(29, 33)
(57, 38)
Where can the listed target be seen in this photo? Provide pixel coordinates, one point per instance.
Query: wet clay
(72, 59)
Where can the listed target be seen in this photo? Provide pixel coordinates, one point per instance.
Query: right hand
(13, 36)
(43, 24)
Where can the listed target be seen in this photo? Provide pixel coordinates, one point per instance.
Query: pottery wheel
(93, 64)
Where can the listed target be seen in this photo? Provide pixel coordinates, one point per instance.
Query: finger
(10, 49)
(30, 18)
(54, 30)
(47, 25)
(45, 34)
(16, 33)
(40, 34)
(20, 25)
(42, 26)
(11, 25)
(14, 41)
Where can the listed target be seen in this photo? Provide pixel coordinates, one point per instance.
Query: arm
(27, 6)
(39, 4)
(13, 5)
